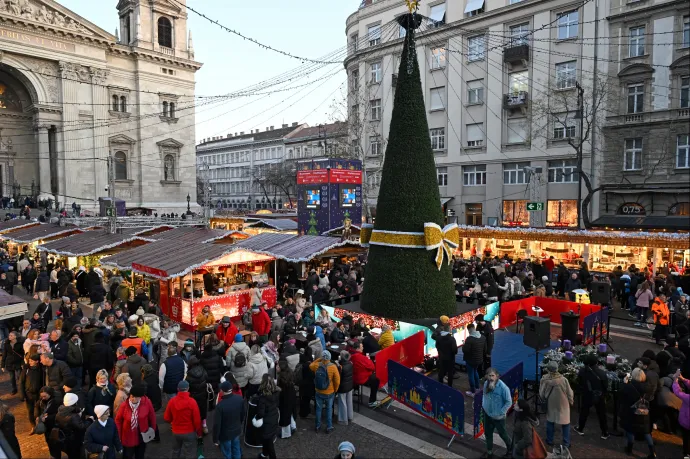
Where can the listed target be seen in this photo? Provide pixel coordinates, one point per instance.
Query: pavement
(393, 432)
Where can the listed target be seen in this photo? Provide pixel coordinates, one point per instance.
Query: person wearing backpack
(593, 384)
(241, 372)
(634, 411)
(555, 389)
(326, 383)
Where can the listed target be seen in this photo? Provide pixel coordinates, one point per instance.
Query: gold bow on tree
(412, 5)
(443, 240)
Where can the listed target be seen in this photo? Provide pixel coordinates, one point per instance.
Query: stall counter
(233, 304)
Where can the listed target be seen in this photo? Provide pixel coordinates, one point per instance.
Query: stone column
(70, 144)
(100, 97)
(43, 160)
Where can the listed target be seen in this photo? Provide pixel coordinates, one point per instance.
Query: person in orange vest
(136, 342)
(661, 317)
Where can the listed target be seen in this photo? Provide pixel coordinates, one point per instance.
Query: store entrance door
(473, 214)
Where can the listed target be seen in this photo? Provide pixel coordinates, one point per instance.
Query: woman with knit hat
(71, 423)
(136, 422)
(346, 450)
(102, 436)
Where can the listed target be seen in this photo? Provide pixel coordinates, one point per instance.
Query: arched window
(169, 168)
(172, 110)
(165, 32)
(165, 109)
(123, 104)
(120, 165)
(116, 105)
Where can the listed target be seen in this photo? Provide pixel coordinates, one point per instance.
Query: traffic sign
(532, 206)
(109, 211)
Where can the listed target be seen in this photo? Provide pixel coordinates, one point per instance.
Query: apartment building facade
(646, 141)
(236, 167)
(485, 66)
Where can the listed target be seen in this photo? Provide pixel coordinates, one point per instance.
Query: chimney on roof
(294, 124)
(284, 125)
(242, 133)
(272, 128)
(229, 135)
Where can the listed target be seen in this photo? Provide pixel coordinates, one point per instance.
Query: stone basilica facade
(83, 111)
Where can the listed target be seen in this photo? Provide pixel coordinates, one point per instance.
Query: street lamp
(189, 212)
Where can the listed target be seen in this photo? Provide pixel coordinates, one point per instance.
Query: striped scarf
(134, 422)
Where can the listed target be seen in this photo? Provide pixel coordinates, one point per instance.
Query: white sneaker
(469, 393)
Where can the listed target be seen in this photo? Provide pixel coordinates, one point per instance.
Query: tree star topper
(412, 5)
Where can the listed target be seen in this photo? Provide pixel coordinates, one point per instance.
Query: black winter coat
(346, 377)
(630, 394)
(286, 404)
(214, 366)
(153, 391)
(42, 282)
(100, 396)
(197, 378)
(267, 409)
(71, 423)
(12, 356)
(98, 436)
(83, 283)
(228, 418)
(100, 357)
(31, 380)
(487, 331)
(56, 374)
(96, 293)
(447, 348)
(7, 428)
(474, 350)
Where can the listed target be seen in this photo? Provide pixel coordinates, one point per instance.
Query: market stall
(15, 224)
(87, 248)
(26, 239)
(227, 223)
(601, 250)
(276, 225)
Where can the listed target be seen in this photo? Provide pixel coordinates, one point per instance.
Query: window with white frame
(442, 176)
(374, 34)
(474, 175)
(438, 58)
(437, 13)
(517, 130)
(354, 80)
(375, 72)
(375, 107)
(438, 138)
(564, 126)
(518, 82)
(636, 42)
(518, 34)
(475, 134)
(354, 39)
(683, 152)
(567, 24)
(632, 156)
(475, 48)
(563, 171)
(566, 75)
(686, 32)
(437, 98)
(685, 92)
(374, 145)
(475, 92)
(514, 174)
(635, 98)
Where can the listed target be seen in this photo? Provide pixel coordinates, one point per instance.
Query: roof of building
(337, 129)
(189, 234)
(257, 136)
(86, 243)
(291, 247)
(280, 224)
(14, 224)
(39, 232)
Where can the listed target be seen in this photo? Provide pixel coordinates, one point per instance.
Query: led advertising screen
(347, 196)
(313, 198)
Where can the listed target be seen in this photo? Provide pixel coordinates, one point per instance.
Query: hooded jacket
(243, 374)
(261, 323)
(474, 349)
(447, 347)
(556, 388)
(236, 348)
(133, 367)
(182, 413)
(213, 364)
(42, 282)
(259, 368)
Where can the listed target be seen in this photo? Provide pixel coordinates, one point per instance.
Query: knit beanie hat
(346, 446)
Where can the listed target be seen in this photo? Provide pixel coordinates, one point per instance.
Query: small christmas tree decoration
(312, 224)
(408, 274)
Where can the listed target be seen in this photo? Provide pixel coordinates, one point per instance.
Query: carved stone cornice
(98, 76)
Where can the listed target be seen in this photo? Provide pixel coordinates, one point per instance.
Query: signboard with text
(149, 270)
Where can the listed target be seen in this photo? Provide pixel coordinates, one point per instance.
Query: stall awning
(169, 259)
(660, 222)
(87, 243)
(292, 248)
(40, 232)
(280, 224)
(11, 306)
(15, 224)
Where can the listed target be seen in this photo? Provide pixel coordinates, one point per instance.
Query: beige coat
(557, 388)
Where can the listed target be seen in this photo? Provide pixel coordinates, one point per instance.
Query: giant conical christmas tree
(405, 282)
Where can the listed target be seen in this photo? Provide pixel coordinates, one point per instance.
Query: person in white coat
(167, 335)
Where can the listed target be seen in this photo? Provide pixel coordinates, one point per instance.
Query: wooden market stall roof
(279, 224)
(15, 224)
(630, 238)
(40, 232)
(169, 259)
(292, 248)
(189, 234)
(11, 306)
(88, 243)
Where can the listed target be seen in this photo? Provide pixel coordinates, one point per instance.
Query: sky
(305, 28)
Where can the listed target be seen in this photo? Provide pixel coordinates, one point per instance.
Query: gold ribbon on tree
(443, 240)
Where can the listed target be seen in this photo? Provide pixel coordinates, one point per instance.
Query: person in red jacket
(261, 323)
(134, 417)
(183, 414)
(227, 331)
(363, 372)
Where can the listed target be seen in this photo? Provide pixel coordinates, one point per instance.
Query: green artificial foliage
(405, 283)
(312, 224)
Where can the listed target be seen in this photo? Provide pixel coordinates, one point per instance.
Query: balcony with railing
(515, 100)
(516, 53)
(167, 51)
